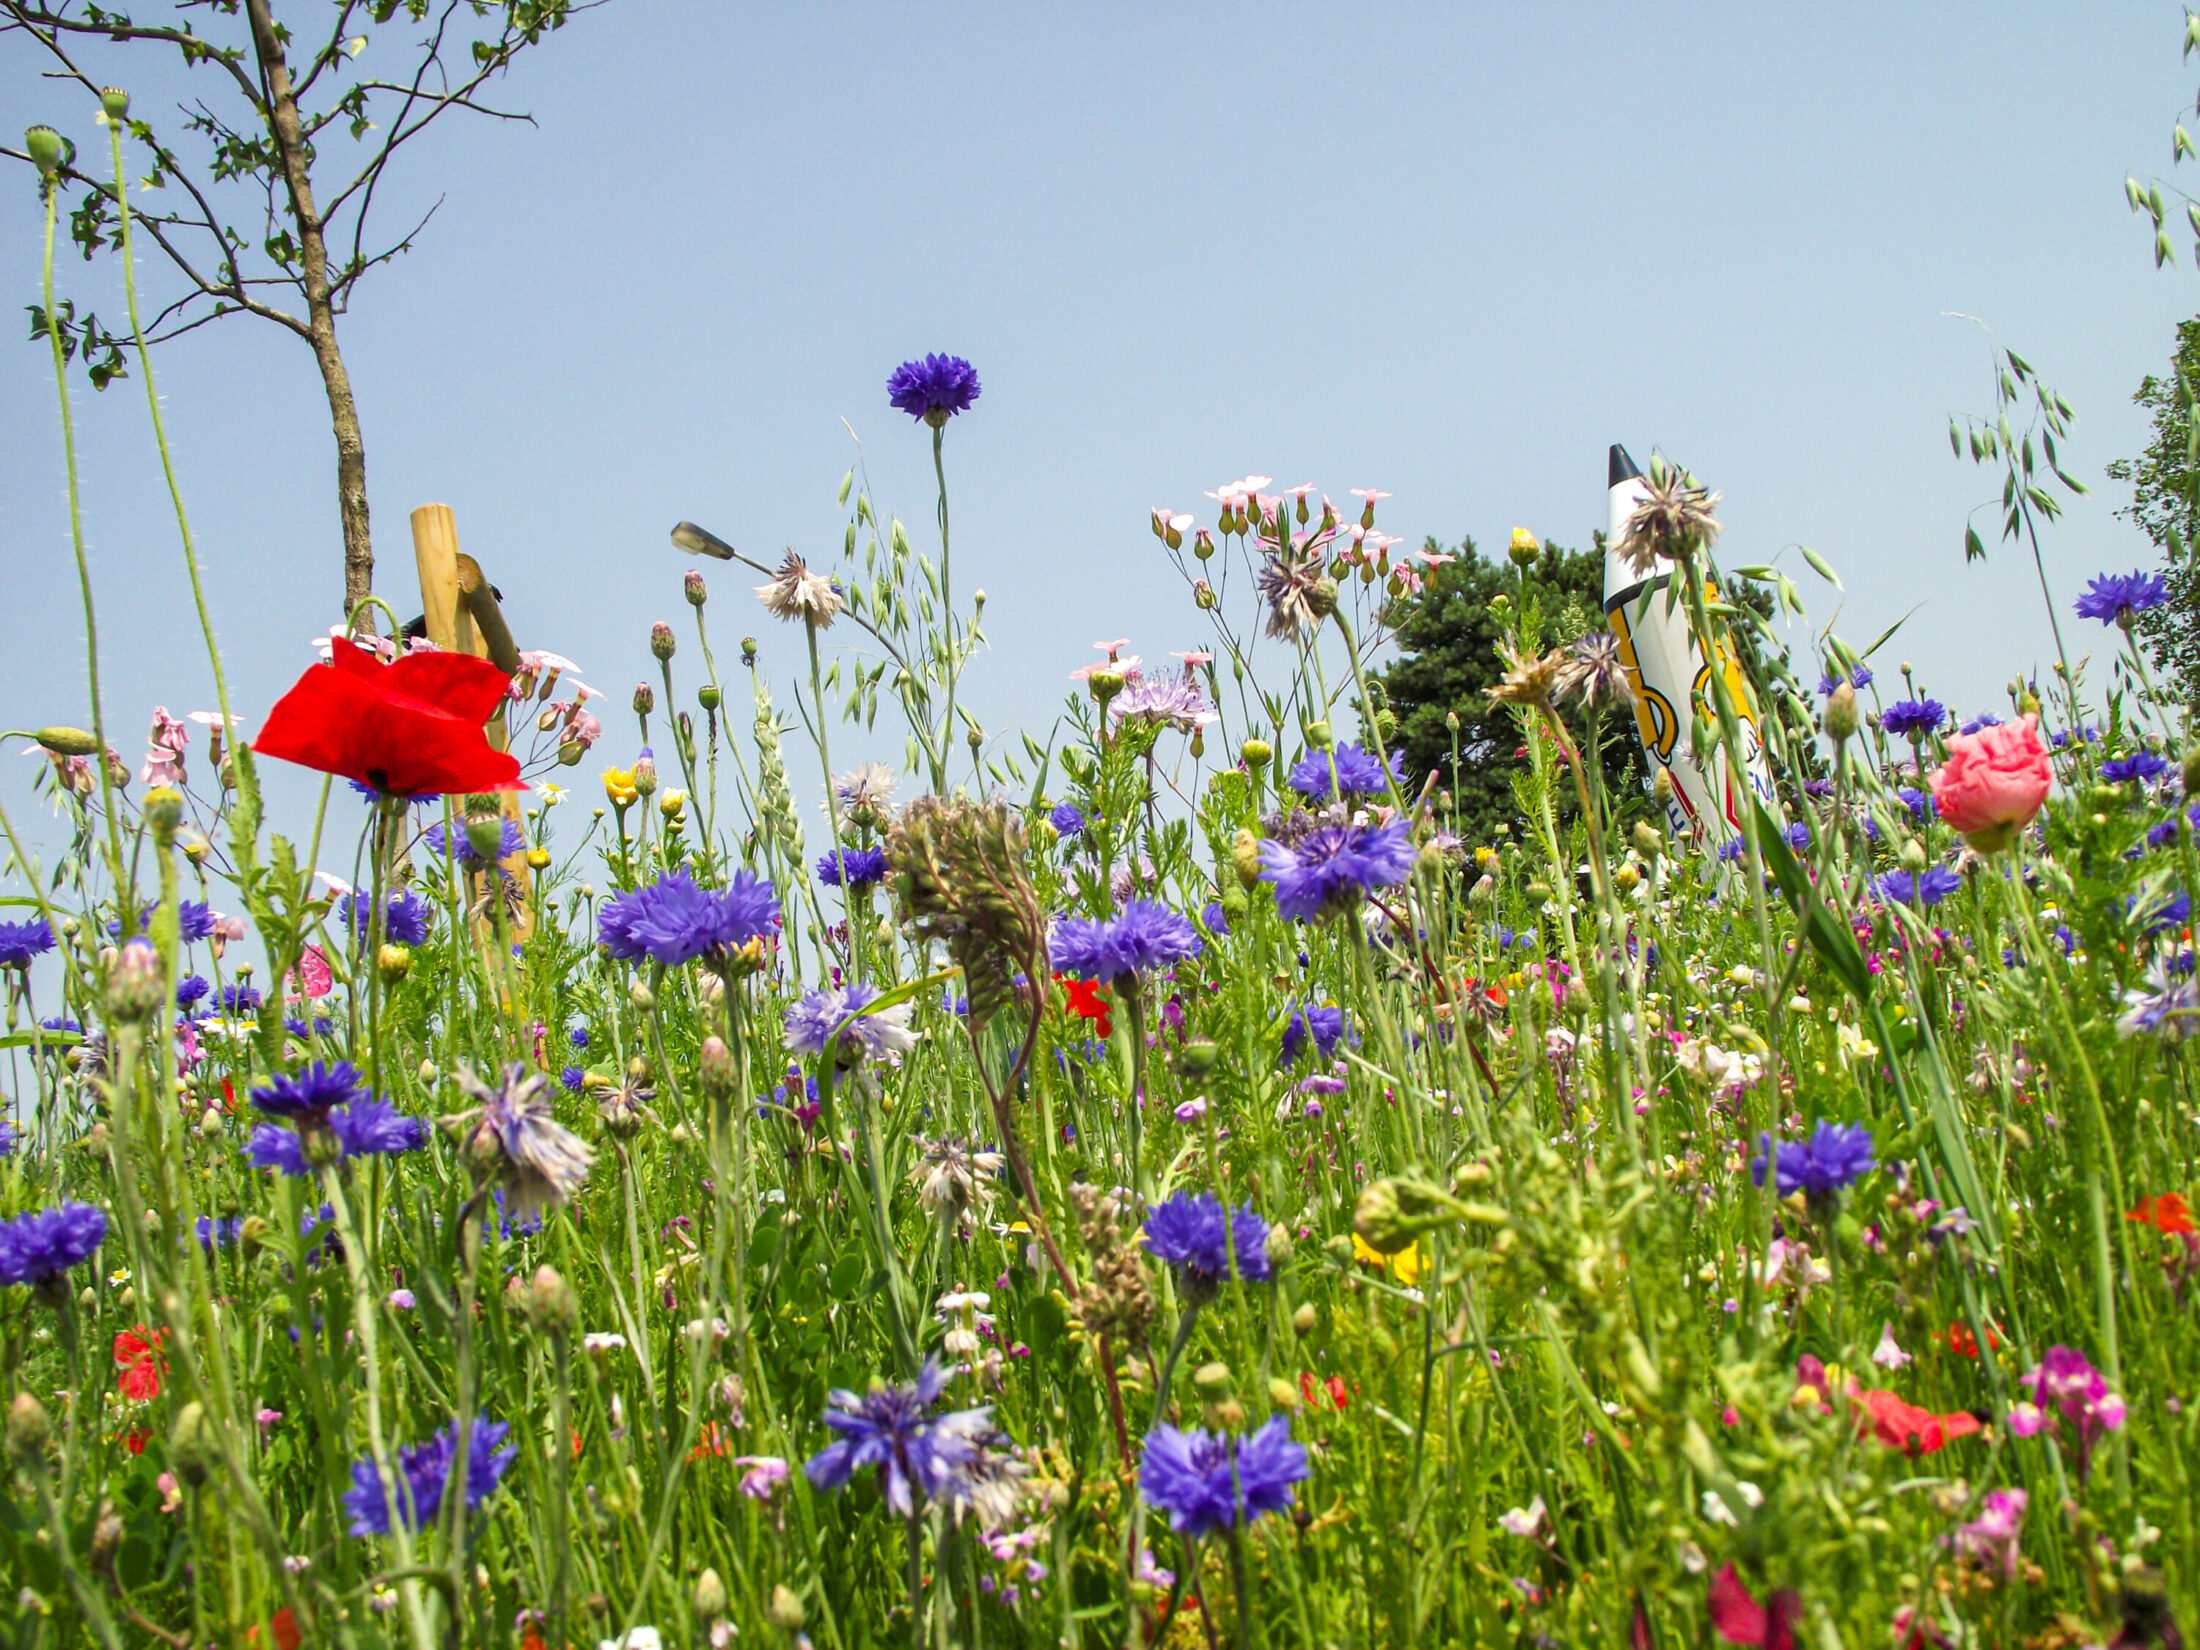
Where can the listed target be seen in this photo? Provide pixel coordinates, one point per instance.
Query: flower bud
(1539, 895)
(1282, 1394)
(49, 150)
(1649, 840)
(717, 1068)
(163, 808)
(550, 1304)
(67, 741)
(1320, 735)
(106, 1537)
(645, 698)
(1524, 548)
(29, 1432)
(1305, 1319)
(210, 1124)
(1913, 856)
(1197, 1059)
(661, 644)
(1278, 1245)
(645, 773)
(641, 996)
(672, 804)
(696, 594)
(1661, 787)
(1841, 717)
(1105, 684)
(1204, 597)
(1626, 879)
(1321, 599)
(136, 982)
(1212, 1378)
(1245, 857)
(785, 1610)
(191, 1448)
(710, 1596)
(1203, 544)
(538, 859)
(570, 753)
(1256, 754)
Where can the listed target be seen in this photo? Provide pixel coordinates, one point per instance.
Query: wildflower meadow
(624, 1170)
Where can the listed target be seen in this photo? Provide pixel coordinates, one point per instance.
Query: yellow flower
(669, 803)
(1522, 539)
(618, 784)
(1405, 1264)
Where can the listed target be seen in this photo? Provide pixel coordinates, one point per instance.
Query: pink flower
(164, 762)
(1993, 782)
(312, 975)
(1992, 1536)
(761, 1475)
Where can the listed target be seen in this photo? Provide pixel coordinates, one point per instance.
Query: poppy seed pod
(708, 696)
(114, 102)
(48, 150)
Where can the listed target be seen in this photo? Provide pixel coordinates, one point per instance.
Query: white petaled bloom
(1523, 1521)
(797, 593)
(602, 1340)
(964, 1313)
(514, 1133)
(869, 786)
(879, 1034)
(1674, 517)
(953, 1178)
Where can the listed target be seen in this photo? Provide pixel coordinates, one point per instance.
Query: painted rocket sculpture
(1672, 679)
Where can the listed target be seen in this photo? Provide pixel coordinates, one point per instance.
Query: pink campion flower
(164, 761)
(1993, 782)
(1991, 1538)
(760, 1475)
(2067, 1391)
(1368, 493)
(1194, 659)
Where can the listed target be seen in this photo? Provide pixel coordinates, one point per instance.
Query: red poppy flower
(1088, 1000)
(141, 1364)
(136, 1440)
(1740, 1619)
(287, 1636)
(2168, 1214)
(1965, 1344)
(408, 729)
(1903, 1426)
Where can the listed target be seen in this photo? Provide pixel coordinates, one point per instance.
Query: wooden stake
(451, 627)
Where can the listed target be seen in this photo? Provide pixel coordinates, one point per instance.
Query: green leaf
(1828, 937)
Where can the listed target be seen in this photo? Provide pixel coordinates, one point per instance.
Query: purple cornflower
(194, 921)
(10, 1137)
(1325, 1025)
(270, 1146)
(219, 1233)
(1913, 718)
(578, 1036)
(1214, 919)
(2114, 598)
(2067, 1391)
(510, 840)
(1160, 701)
(1930, 887)
(2163, 1003)
(1835, 1155)
(571, 1079)
(405, 916)
(2160, 912)
(2162, 835)
(1984, 719)
(21, 941)
(1918, 802)
(1358, 773)
(1196, 1235)
(39, 1247)
(307, 1098)
(1210, 1481)
(1334, 867)
(1859, 678)
(2140, 765)
(864, 866)
(1798, 836)
(240, 1000)
(1991, 1538)
(514, 1127)
(1144, 935)
(884, 1034)
(674, 922)
(892, 1428)
(191, 990)
(423, 1473)
(1066, 820)
(367, 1126)
(934, 389)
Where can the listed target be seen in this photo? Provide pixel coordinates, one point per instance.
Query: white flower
(1887, 1355)
(601, 1340)
(1523, 1521)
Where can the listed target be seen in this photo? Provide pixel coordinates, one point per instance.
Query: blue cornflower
(571, 1079)
(405, 916)
(1214, 919)
(367, 1126)
(1920, 803)
(307, 1098)
(1901, 888)
(367, 793)
(810, 1020)
(1985, 719)
(1798, 836)
(1325, 1025)
(1334, 867)
(219, 1234)
(1913, 718)
(194, 921)
(510, 840)
(864, 866)
(2113, 598)
(1210, 1481)
(1196, 1235)
(423, 1473)
(10, 1137)
(21, 941)
(2166, 833)
(191, 990)
(2084, 734)
(934, 389)
(270, 1146)
(2160, 913)
(1144, 935)
(1835, 1155)
(296, 1025)
(674, 921)
(1859, 678)
(39, 1247)
(1732, 849)
(240, 1000)
(578, 1036)
(1066, 820)
(2141, 765)
(1818, 789)
(919, 1454)
(1358, 773)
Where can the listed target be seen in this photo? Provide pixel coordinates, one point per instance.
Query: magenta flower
(2071, 1399)
(1991, 1538)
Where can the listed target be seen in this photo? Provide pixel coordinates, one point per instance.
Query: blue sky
(1450, 252)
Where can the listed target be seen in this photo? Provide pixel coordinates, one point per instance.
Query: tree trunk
(351, 449)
